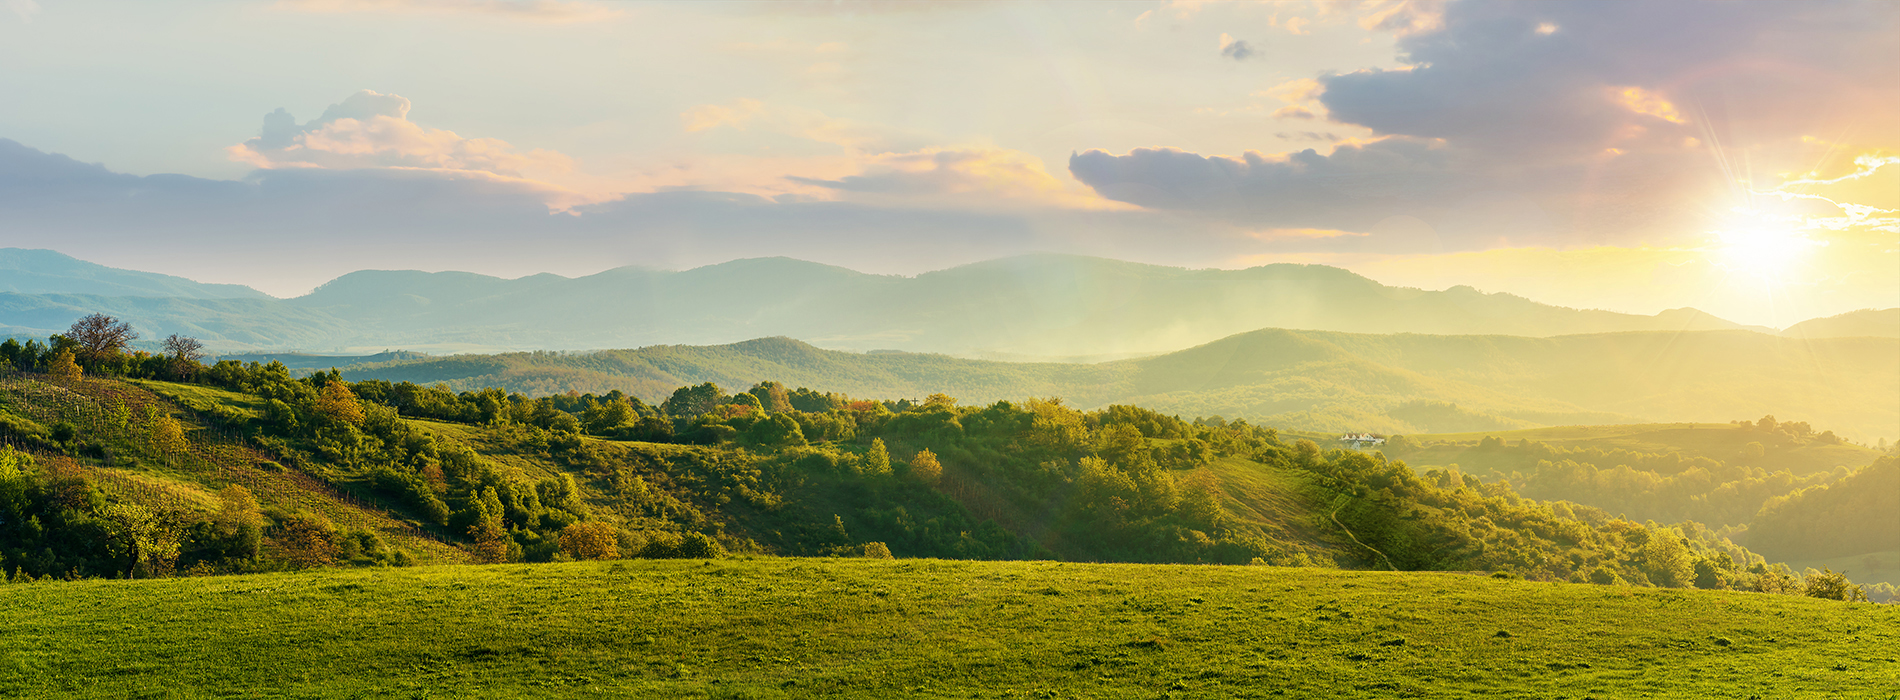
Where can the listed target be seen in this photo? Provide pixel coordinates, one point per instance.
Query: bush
(877, 550)
(1833, 586)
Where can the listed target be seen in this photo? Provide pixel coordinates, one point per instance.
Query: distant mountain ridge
(1034, 306)
(30, 271)
(1875, 323)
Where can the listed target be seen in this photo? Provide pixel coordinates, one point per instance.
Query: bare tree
(186, 354)
(101, 337)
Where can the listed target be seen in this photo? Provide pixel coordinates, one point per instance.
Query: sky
(1737, 157)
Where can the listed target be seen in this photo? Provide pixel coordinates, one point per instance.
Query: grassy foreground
(770, 628)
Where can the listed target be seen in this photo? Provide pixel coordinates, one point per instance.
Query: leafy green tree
(1832, 586)
(693, 401)
(878, 460)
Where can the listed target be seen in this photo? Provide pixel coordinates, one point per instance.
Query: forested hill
(1297, 379)
(1040, 306)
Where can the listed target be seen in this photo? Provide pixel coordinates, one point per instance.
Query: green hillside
(784, 628)
(1306, 380)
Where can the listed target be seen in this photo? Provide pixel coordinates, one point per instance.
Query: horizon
(313, 290)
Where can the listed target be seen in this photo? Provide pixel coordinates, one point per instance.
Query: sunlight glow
(1764, 248)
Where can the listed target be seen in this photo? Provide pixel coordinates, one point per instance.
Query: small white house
(1361, 441)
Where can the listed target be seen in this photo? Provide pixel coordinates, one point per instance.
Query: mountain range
(1030, 307)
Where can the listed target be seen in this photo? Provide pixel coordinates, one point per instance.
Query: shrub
(877, 550)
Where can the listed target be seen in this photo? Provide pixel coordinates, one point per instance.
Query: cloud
(372, 130)
(24, 8)
(1402, 17)
(984, 176)
(1234, 48)
(551, 11)
(1564, 121)
(1352, 188)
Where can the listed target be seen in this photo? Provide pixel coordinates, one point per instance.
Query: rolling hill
(1314, 380)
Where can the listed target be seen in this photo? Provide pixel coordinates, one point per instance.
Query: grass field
(769, 628)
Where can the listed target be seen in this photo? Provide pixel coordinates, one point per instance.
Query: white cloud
(372, 130)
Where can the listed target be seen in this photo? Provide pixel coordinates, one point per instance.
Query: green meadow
(772, 628)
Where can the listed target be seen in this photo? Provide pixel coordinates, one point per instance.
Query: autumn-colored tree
(163, 433)
(924, 467)
(593, 540)
(772, 396)
(339, 403)
(63, 367)
(239, 521)
(305, 540)
(101, 337)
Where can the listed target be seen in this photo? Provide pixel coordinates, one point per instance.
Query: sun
(1761, 247)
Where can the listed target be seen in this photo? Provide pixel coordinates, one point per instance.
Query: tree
(101, 338)
(594, 540)
(186, 354)
(63, 367)
(163, 432)
(924, 467)
(878, 460)
(339, 403)
(772, 397)
(1833, 586)
(693, 401)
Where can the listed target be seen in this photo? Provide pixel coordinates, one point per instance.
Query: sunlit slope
(1301, 379)
(213, 457)
(773, 628)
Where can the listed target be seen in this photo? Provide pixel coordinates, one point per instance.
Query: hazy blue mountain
(1317, 380)
(1037, 306)
(28, 271)
(1877, 323)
